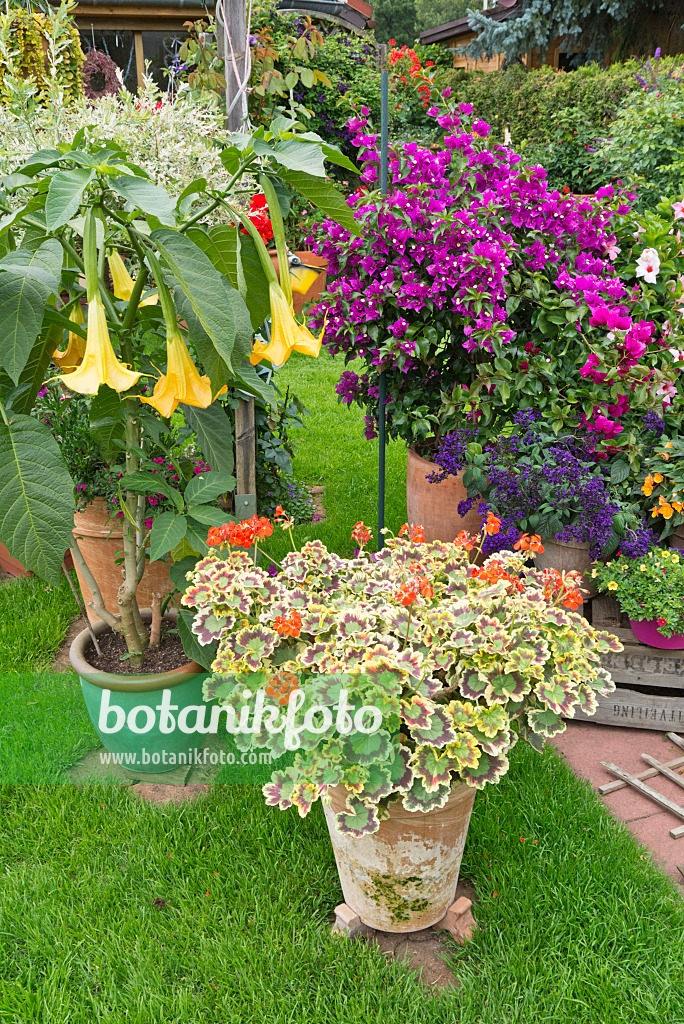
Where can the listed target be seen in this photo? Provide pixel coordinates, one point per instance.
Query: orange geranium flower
(492, 523)
(527, 543)
(416, 534)
(288, 625)
(465, 540)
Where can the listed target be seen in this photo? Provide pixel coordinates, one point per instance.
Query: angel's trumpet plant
(123, 282)
(72, 356)
(99, 364)
(287, 333)
(182, 381)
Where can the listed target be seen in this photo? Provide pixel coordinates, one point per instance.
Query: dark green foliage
(595, 26)
(431, 13)
(396, 20)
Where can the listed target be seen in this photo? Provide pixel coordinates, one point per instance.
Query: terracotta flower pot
(403, 877)
(125, 709)
(101, 544)
(435, 506)
(566, 557)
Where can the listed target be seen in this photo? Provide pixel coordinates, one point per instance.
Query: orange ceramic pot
(435, 506)
(309, 259)
(100, 540)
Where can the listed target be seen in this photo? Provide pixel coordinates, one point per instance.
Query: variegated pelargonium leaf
(401, 772)
(603, 682)
(472, 683)
(278, 791)
(197, 595)
(463, 714)
(557, 617)
(350, 623)
(587, 699)
(354, 777)
(527, 658)
(495, 744)
(418, 711)
(607, 642)
(208, 627)
(492, 720)
(254, 644)
(359, 820)
(464, 751)
(438, 732)
(545, 722)
(303, 795)
(507, 686)
(489, 769)
(431, 767)
(378, 783)
(560, 699)
(325, 689)
(418, 798)
(365, 748)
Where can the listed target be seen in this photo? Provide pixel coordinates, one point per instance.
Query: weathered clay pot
(435, 506)
(566, 557)
(100, 541)
(403, 877)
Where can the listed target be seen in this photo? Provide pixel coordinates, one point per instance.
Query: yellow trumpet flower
(123, 282)
(181, 382)
(302, 277)
(72, 355)
(287, 334)
(99, 364)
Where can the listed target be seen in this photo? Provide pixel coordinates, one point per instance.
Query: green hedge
(528, 102)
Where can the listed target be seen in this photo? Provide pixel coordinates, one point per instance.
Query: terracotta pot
(566, 557)
(404, 877)
(14, 567)
(310, 259)
(101, 544)
(123, 709)
(435, 506)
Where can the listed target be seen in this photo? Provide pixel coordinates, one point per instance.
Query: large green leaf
(325, 196)
(207, 290)
(64, 195)
(298, 155)
(204, 656)
(148, 197)
(214, 429)
(208, 515)
(206, 487)
(214, 366)
(21, 399)
(27, 280)
(36, 497)
(106, 423)
(168, 529)
(235, 256)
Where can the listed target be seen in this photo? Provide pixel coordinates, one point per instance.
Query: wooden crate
(649, 681)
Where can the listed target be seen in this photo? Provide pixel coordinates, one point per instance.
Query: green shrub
(528, 102)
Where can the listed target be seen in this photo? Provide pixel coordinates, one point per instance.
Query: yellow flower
(99, 364)
(302, 278)
(287, 335)
(665, 553)
(72, 355)
(643, 568)
(675, 558)
(612, 585)
(181, 382)
(123, 282)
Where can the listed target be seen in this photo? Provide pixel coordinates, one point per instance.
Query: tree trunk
(236, 48)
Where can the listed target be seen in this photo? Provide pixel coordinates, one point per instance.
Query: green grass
(577, 927)
(34, 620)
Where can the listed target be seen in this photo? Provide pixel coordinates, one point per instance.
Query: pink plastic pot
(646, 632)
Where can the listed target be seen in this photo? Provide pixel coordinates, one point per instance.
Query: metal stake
(384, 168)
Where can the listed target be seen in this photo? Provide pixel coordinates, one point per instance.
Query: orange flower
(281, 685)
(647, 487)
(658, 477)
(492, 524)
(416, 534)
(527, 543)
(407, 593)
(290, 625)
(465, 540)
(360, 533)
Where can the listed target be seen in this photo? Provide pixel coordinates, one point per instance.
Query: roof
(350, 13)
(460, 27)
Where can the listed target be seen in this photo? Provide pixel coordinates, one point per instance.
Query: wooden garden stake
(245, 460)
(82, 610)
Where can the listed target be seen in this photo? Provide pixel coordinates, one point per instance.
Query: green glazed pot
(147, 722)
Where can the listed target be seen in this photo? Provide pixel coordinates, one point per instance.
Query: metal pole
(384, 166)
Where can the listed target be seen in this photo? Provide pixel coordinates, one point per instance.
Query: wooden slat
(646, 666)
(663, 769)
(677, 740)
(652, 794)
(605, 613)
(649, 773)
(638, 711)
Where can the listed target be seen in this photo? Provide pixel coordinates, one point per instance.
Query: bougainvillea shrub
(458, 660)
(480, 291)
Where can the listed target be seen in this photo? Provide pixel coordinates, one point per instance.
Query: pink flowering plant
(458, 660)
(480, 291)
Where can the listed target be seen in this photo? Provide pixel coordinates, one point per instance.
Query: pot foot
(348, 923)
(458, 921)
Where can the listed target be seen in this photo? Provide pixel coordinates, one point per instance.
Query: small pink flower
(678, 211)
(662, 622)
(148, 523)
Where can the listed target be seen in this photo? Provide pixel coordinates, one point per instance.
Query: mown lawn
(114, 911)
